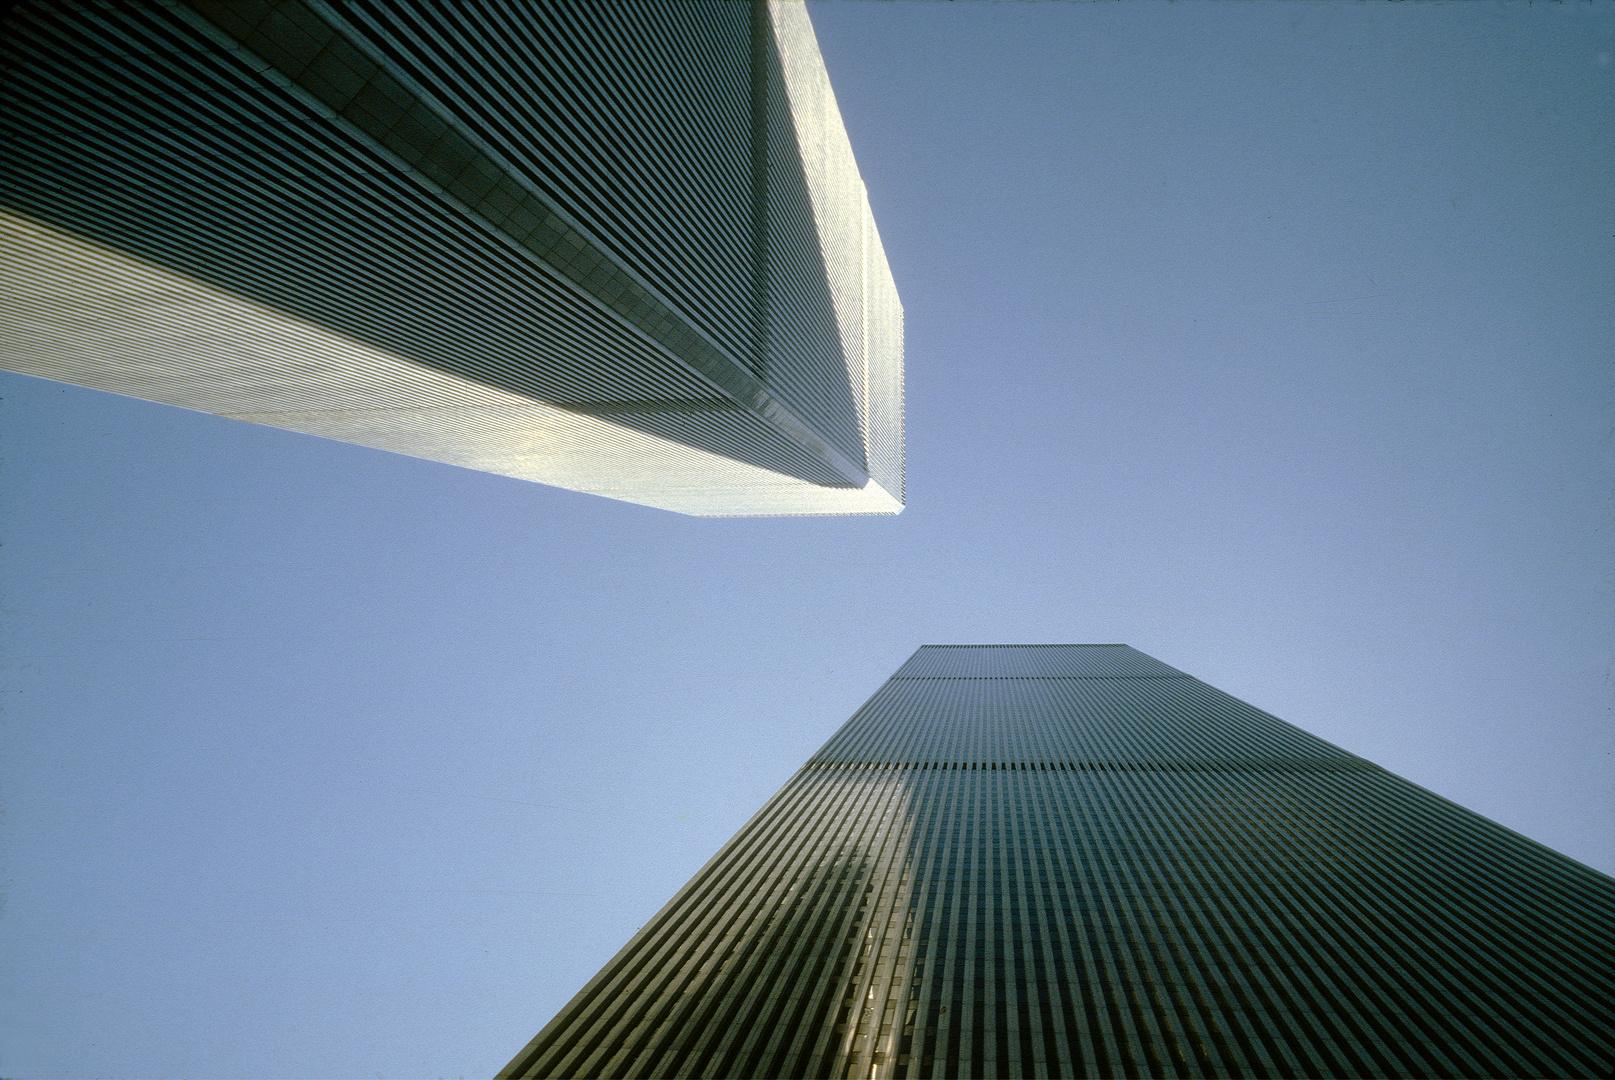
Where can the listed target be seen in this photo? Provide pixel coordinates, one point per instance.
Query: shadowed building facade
(1074, 860)
(617, 247)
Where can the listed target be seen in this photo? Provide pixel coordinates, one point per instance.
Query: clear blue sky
(1275, 341)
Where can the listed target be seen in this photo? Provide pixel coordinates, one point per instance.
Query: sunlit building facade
(622, 248)
(1074, 860)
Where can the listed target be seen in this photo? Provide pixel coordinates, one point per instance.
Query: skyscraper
(1074, 860)
(620, 248)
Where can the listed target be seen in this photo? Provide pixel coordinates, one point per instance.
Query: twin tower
(617, 247)
(623, 247)
(1076, 861)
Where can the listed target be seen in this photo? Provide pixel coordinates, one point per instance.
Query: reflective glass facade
(618, 247)
(1074, 860)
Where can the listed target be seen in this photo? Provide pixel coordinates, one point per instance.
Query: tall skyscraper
(1074, 860)
(617, 247)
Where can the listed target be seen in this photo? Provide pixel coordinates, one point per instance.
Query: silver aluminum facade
(1074, 860)
(618, 247)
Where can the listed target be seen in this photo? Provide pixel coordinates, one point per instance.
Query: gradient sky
(1273, 340)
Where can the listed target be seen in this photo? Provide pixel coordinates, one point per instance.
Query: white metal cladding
(600, 209)
(97, 317)
(1076, 861)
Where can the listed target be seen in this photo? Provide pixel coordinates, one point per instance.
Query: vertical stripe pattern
(1073, 860)
(646, 215)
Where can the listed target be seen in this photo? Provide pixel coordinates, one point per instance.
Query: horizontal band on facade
(1251, 766)
(695, 406)
(996, 678)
